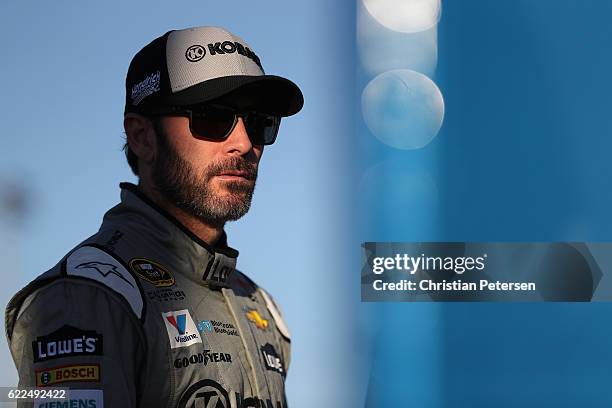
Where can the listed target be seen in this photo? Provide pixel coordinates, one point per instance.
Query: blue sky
(62, 76)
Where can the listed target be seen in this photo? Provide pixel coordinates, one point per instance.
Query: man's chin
(232, 202)
(238, 205)
(226, 211)
(234, 190)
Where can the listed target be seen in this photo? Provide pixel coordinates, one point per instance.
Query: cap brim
(267, 93)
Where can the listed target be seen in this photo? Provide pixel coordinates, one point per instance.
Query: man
(150, 311)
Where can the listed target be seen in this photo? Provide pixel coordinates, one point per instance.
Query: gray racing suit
(145, 314)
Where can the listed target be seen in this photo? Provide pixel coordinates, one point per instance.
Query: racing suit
(145, 314)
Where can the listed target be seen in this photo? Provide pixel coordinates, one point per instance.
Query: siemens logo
(81, 398)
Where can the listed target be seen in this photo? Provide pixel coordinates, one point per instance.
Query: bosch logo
(195, 53)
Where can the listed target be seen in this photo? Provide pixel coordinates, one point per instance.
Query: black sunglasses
(214, 122)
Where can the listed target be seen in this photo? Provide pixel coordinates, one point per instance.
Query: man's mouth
(235, 175)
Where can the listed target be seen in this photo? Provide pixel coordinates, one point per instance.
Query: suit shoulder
(240, 281)
(244, 285)
(88, 265)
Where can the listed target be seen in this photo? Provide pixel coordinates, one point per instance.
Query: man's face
(213, 181)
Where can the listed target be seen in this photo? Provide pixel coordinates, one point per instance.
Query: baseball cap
(204, 64)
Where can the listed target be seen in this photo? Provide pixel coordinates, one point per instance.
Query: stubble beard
(177, 181)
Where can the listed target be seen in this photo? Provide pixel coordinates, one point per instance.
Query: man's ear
(140, 136)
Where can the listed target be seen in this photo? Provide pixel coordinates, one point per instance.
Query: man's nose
(238, 140)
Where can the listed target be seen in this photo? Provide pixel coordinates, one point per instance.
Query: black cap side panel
(147, 79)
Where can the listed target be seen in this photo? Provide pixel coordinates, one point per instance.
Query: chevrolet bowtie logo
(255, 317)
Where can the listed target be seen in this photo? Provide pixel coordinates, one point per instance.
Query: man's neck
(206, 232)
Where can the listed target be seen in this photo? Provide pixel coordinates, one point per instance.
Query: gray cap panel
(199, 54)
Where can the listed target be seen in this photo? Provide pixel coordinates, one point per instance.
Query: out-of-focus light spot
(403, 109)
(406, 16)
(381, 49)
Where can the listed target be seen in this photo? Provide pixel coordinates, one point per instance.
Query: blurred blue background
(62, 79)
(523, 155)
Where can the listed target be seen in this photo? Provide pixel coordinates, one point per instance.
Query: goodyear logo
(255, 317)
(152, 272)
(69, 373)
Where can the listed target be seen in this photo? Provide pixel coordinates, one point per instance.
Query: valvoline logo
(178, 322)
(181, 328)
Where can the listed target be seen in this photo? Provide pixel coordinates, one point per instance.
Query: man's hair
(131, 157)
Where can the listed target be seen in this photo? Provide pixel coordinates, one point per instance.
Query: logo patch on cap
(145, 88)
(230, 47)
(195, 53)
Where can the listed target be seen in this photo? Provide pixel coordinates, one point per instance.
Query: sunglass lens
(213, 124)
(262, 129)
